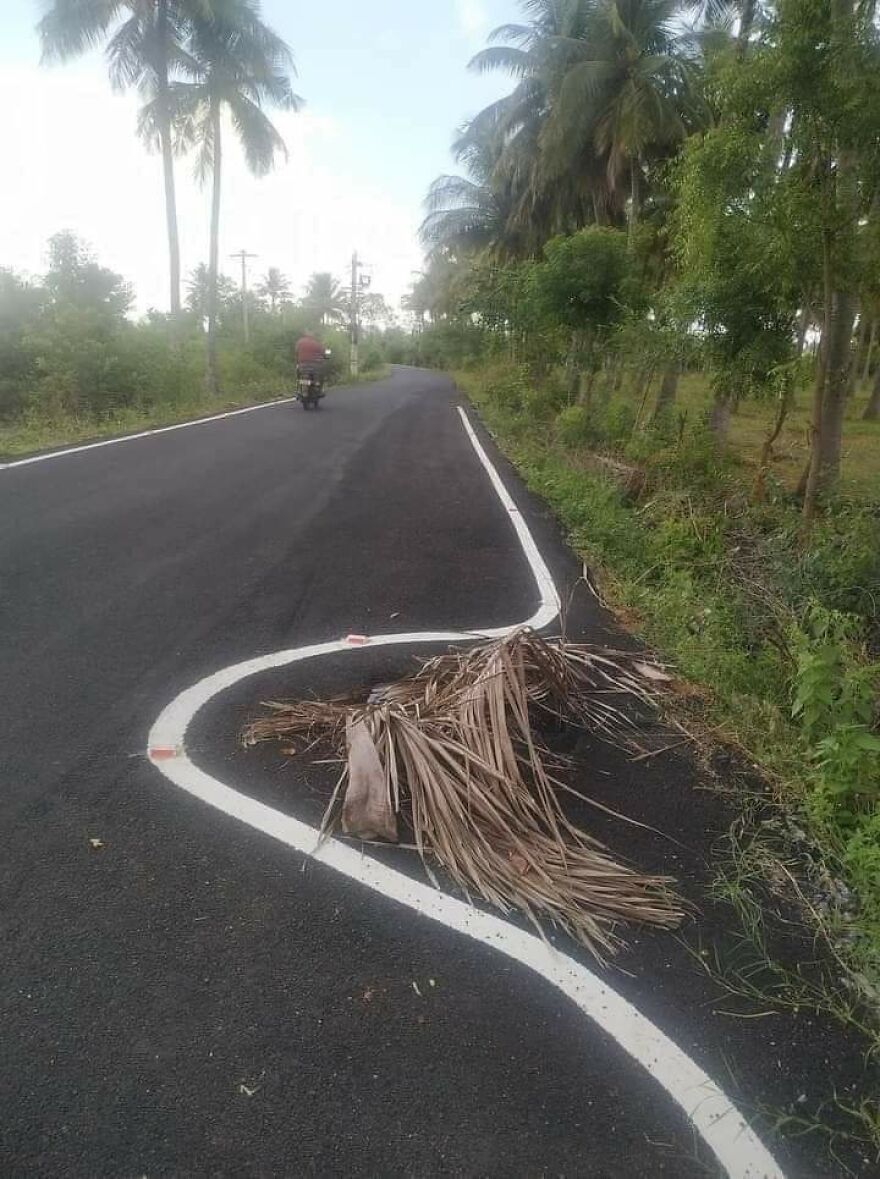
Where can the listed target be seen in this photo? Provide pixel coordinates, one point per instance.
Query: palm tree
(325, 298)
(144, 45)
(625, 91)
(545, 200)
(274, 287)
(472, 212)
(198, 285)
(235, 64)
(602, 86)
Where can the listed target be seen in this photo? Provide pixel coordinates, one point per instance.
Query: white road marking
(713, 1115)
(217, 417)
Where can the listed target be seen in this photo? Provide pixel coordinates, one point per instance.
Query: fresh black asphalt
(189, 998)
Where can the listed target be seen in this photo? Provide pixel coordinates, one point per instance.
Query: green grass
(860, 472)
(28, 436)
(667, 568)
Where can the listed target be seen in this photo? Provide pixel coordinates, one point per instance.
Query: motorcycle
(310, 384)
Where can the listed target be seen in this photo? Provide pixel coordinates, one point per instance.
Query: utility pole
(244, 255)
(355, 283)
(359, 282)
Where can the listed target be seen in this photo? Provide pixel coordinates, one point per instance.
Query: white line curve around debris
(713, 1115)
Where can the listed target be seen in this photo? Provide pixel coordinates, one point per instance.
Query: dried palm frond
(456, 742)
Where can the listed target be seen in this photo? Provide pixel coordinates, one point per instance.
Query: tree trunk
(600, 211)
(809, 481)
(818, 394)
(668, 391)
(168, 160)
(866, 359)
(171, 220)
(610, 382)
(759, 486)
(572, 368)
(586, 397)
(774, 139)
(643, 381)
(872, 409)
(841, 219)
(212, 382)
(857, 357)
(829, 400)
(834, 407)
(633, 218)
(719, 417)
(746, 20)
(803, 324)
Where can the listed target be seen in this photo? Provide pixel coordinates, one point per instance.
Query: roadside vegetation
(74, 365)
(656, 277)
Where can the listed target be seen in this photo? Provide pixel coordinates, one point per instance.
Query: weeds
(839, 1122)
(781, 637)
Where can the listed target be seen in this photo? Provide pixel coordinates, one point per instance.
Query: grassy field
(860, 475)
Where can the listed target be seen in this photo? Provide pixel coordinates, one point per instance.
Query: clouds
(473, 19)
(72, 160)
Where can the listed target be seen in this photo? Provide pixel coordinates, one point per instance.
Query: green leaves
(603, 91)
(585, 281)
(817, 686)
(834, 699)
(849, 760)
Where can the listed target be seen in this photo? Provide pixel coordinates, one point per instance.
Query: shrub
(373, 358)
(842, 567)
(574, 425)
(542, 402)
(835, 692)
(620, 421)
(507, 387)
(241, 371)
(862, 858)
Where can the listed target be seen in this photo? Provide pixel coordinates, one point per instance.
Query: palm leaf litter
(453, 752)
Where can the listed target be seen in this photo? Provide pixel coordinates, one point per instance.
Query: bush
(241, 371)
(507, 387)
(862, 859)
(574, 426)
(620, 421)
(450, 344)
(842, 568)
(542, 402)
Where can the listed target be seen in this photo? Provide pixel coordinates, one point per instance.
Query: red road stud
(162, 752)
(357, 640)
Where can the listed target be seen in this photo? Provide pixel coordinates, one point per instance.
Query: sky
(385, 85)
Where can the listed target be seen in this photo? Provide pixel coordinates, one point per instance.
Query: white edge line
(710, 1111)
(217, 417)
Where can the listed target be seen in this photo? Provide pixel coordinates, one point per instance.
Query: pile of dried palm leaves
(454, 749)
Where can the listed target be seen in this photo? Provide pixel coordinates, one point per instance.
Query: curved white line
(721, 1126)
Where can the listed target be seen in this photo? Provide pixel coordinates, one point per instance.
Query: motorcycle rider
(311, 359)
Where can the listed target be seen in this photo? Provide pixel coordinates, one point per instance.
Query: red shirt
(308, 350)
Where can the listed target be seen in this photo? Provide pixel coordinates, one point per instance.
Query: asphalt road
(185, 999)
